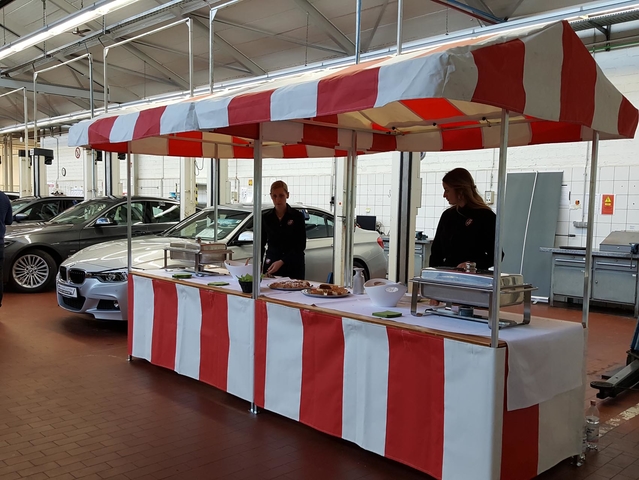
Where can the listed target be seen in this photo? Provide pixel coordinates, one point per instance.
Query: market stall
(455, 402)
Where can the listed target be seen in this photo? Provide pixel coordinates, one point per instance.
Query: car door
(94, 233)
(160, 215)
(319, 245)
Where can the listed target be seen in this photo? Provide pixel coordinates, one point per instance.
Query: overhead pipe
(106, 50)
(26, 132)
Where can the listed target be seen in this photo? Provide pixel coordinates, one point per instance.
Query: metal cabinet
(567, 276)
(614, 280)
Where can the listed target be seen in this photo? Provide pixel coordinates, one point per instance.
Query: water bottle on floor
(592, 426)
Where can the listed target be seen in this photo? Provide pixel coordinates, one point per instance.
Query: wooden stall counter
(423, 391)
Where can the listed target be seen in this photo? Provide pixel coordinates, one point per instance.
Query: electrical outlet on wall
(489, 197)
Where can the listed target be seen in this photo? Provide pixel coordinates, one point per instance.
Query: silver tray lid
(619, 241)
(456, 277)
(196, 246)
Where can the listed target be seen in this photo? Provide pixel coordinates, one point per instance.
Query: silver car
(94, 280)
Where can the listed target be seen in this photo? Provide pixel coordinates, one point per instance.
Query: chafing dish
(462, 291)
(198, 253)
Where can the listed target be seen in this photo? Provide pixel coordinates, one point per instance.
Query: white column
(339, 240)
(188, 194)
(26, 183)
(89, 174)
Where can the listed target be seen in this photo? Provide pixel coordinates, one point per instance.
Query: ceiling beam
(177, 52)
(485, 17)
(119, 30)
(284, 38)
(369, 40)
(480, 5)
(170, 75)
(46, 88)
(319, 20)
(226, 47)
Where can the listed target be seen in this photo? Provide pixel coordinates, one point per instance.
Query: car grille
(74, 303)
(63, 273)
(77, 276)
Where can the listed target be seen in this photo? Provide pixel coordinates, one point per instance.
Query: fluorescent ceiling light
(81, 17)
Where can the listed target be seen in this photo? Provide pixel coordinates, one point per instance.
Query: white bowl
(237, 268)
(384, 293)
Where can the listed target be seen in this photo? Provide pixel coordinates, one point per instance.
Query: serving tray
(308, 293)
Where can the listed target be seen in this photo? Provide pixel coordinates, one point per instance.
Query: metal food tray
(472, 289)
(208, 253)
(198, 253)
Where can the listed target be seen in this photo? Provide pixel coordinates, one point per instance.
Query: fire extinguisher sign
(607, 204)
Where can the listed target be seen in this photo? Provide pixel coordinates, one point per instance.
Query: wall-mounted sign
(250, 182)
(607, 204)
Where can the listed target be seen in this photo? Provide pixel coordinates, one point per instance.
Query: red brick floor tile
(74, 408)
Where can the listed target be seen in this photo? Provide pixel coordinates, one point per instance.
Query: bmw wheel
(33, 271)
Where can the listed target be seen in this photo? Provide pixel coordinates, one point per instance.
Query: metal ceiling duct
(605, 20)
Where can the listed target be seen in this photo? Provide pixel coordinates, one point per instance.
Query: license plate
(67, 291)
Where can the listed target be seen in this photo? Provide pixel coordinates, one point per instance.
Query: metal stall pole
(358, 32)
(214, 193)
(501, 196)
(257, 234)
(590, 229)
(400, 19)
(349, 206)
(129, 256)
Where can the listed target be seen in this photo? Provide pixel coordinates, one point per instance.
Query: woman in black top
(466, 230)
(284, 230)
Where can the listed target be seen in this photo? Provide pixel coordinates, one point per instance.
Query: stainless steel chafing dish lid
(474, 280)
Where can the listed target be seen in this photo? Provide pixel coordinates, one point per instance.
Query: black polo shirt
(286, 239)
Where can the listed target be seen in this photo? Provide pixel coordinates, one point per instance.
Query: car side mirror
(245, 237)
(104, 221)
(20, 217)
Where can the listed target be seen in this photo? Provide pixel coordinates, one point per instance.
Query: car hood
(19, 230)
(146, 253)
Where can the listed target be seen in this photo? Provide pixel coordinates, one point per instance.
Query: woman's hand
(275, 266)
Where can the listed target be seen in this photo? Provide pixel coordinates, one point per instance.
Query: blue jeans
(1, 264)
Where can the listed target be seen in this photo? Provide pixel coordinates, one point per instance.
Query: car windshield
(203, 224)
(81, 212)
(18, 204)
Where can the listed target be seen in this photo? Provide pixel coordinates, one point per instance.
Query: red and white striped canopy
(440, 99)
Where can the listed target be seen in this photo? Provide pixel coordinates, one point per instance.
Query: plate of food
(290, 285)
(326, 290)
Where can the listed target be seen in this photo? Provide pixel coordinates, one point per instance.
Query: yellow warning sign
(607, 204)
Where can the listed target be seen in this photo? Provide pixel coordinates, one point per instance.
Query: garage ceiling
(252, 38)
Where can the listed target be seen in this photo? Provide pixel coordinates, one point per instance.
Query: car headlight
(109, 277)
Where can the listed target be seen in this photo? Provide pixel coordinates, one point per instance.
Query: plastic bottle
(358, 281)
(592, 426)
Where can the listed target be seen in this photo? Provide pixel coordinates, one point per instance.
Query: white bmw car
(94, 280)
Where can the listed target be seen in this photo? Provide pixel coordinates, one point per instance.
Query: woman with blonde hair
(284, 230)
(466, 230)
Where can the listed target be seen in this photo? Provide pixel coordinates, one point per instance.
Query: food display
(290, 285)
(326, 290)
